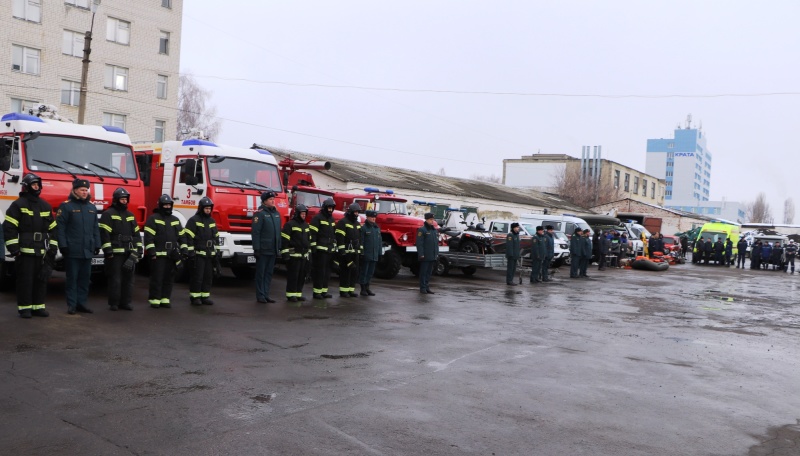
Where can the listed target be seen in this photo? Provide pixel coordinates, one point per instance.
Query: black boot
(40, 313)
(196, 302)
(25, 313)
(363, 290)
(207, 302)
(369, 292)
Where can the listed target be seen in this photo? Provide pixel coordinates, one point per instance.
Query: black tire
(389, 265)
(442, 267)
(243, 272)
(469, 270)
(470, 247)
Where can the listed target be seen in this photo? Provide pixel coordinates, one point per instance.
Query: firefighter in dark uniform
(29, 230)
(295, 247)
(79, 241)
(538, 253)
(512, 253)
(122, 248)
(791, 253)
(372, 246)
(164, 244)
(741, 252)
(550, 239)
(323, 244)
(575, 253)
(266, 235)
(202, 239)
(348, 248)
(427, 252)
(586, 254)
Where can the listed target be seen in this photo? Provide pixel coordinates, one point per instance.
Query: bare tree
(441, 172)
(788, 211)
(195, 113)
(492, 178)
(585, 193)
(759, 211)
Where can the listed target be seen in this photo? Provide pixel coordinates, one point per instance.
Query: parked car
(672, 243)
(561, 245)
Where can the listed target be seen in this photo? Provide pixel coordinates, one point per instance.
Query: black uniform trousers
(790, 261)
(31, 290)
(740, 259)
(201, 272)
(120, 281)
(348, 273)
(296, 269)
(321, 271)
(548, 260)
(161, 276)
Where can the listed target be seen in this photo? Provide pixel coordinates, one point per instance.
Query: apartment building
(134, 69)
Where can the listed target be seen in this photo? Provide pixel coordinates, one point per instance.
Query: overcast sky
(579, 73)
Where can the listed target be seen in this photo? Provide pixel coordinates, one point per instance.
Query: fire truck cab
(232, 177)
(59, 152)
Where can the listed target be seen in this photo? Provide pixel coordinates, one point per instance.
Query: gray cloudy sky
(265, 61)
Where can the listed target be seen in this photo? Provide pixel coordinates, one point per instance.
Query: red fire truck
(59, 152)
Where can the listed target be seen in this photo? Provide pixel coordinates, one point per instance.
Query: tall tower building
(134, 69)
(684, 162)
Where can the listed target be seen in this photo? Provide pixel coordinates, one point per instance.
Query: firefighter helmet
(120, 193)
(29, 180)
(163, 200)
(354, 208)
(205, 202)
(301, 208)
(328, 203)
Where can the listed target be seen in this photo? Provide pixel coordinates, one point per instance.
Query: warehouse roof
(399, 178)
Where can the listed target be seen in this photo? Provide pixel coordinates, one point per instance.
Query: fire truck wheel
(442, 267)
(389, 265)
(469, 270)
(244, 272)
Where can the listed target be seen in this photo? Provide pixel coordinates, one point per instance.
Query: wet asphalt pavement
(697, 360)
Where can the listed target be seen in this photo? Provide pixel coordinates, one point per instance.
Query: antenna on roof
(689, 121)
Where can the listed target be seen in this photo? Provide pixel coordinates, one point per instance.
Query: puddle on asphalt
(779, 440)
(263, 398)
(353, 355)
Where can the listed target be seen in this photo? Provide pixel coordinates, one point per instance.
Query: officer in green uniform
(538, 253)
(373, 249)
(30, 233)
(79, 241)
(586, 253)
(512, 253)
(122, 248)
(427, 252)
(295, 247)
(202, 239)
(266, 236)
(575, 253)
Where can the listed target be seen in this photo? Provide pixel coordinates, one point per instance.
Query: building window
(78, 3)
(116, 78)
(653, 190)
(30, 10)
(24, 59)
(644, 187)
(160, 127)
(616, 178)
(70, 93)
(118, 31)
(114, 120)
(161, 87)
(163, 43)
(72, 44)
(635, 185)
(166, 3)
(20, 105)
(627, 182)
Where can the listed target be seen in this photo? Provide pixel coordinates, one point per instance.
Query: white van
(565, 223)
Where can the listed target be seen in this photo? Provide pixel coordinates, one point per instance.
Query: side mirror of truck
(6, 148)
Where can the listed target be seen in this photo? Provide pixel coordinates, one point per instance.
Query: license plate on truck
(98, 261)
(251, 259)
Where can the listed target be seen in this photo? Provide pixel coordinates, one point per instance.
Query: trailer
(468, 262)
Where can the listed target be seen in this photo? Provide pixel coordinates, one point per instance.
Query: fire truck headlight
(222, 241)
(405, 237)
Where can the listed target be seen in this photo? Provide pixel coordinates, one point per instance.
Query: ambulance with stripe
(59, 152)
(232, 177)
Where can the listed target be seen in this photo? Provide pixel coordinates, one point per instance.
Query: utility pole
(87, 50)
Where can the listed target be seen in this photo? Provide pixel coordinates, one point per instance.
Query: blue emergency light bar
(377, 190)
(20, 116)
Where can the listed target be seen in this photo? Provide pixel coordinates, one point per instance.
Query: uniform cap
(267, 195)
(549, 227)
(514, 225)
(539, 228)
(371, 214)
(80, 183)
(429, 215)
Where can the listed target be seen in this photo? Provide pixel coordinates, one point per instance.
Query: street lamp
(87, 49)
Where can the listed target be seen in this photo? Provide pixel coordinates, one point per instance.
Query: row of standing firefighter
(542, 253)
(352, 247)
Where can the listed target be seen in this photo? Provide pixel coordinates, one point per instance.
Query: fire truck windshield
(117, 159)
(390, 207)
(258, 175)
(309, 199)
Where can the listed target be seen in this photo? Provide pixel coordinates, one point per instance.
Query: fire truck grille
(240, 223)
